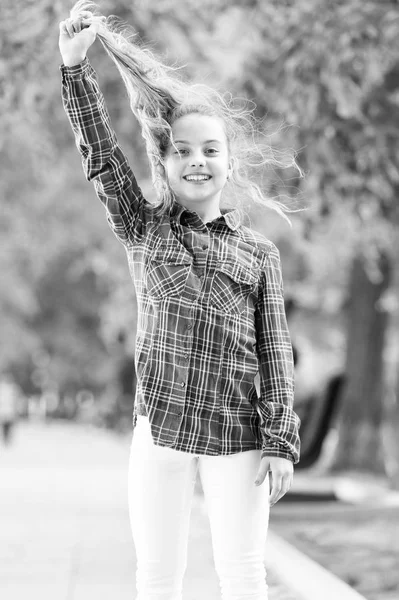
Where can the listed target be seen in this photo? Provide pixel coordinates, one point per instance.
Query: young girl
(210, 315)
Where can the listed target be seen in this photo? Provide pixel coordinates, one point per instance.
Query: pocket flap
(239, 273)
(171, 255)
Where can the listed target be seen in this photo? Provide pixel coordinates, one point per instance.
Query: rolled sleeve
(279, 423)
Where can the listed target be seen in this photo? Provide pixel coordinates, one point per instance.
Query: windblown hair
(158, 97)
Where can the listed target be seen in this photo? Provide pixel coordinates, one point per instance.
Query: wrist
(72, 61)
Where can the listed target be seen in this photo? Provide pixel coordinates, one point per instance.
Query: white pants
(161, 486)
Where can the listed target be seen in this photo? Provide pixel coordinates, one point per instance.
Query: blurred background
(325, 77)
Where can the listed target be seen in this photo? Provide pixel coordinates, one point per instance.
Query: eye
(181, 151)
(212, 151)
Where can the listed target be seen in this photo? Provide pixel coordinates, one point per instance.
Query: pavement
(64, 525)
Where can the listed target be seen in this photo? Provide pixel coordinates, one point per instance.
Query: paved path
(64, 526)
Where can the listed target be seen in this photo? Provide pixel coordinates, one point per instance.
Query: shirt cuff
(278, 454)
(77, 70)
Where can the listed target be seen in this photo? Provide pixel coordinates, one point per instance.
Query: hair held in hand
(159, 95)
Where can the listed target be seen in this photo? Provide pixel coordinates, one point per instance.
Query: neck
(206, 213)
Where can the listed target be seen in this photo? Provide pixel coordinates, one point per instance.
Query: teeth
(197, 177)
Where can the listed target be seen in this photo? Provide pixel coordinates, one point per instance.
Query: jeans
(160, 489)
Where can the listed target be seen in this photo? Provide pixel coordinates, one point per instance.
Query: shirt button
(179, 414)
(205, 247)
(182, 384)
(186, 356)
(189, 326)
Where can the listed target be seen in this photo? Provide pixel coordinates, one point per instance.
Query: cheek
(173, 179)
(172, 170)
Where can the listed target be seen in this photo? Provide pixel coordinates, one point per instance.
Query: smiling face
(198, 166)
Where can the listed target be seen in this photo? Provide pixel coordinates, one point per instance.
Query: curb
(316, 496)
(307, 579)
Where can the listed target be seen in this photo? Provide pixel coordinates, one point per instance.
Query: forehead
(196, 128)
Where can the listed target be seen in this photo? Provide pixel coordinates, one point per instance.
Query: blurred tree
(61, 265)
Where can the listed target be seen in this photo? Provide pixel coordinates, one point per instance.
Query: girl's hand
(76, 37)
(282, 472)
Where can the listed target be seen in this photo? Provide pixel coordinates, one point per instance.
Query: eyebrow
(207, 142)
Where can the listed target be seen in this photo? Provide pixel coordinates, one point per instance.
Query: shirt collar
(231, 217)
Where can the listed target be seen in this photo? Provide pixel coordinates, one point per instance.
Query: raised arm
(104, 163)
(279, 423)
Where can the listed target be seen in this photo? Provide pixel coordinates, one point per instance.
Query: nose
(197, 160)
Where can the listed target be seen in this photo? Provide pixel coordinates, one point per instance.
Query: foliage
(332, 70)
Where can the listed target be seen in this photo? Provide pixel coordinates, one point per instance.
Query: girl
(210, 314)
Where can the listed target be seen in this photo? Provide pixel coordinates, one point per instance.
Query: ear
(230, 168)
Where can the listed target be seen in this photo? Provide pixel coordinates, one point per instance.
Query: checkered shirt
(213, 354)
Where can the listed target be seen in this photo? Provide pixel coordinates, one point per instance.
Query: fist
(77, 34)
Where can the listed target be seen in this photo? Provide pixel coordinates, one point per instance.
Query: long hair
(158, 96)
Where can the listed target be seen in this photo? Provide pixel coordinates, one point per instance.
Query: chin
(194, 199)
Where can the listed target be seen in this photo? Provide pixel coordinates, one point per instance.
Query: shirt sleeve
(104, 163)
(279, 423)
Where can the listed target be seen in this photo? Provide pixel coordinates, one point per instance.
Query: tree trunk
(359, 444)
(390, 434)
(393, 455)
(391, 415)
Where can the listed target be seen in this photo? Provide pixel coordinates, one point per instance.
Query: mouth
(197, 178)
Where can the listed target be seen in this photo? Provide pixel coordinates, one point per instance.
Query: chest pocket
(233, 287)
(168, 270)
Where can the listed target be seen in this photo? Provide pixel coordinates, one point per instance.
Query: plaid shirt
(213, 354)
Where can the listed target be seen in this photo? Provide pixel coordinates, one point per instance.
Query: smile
(197, 178)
